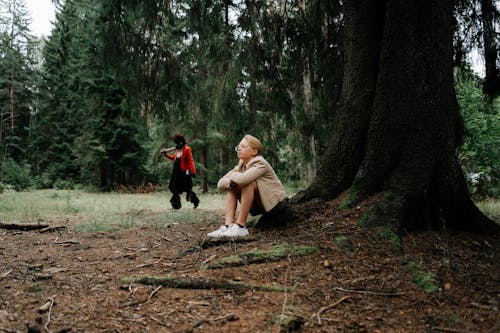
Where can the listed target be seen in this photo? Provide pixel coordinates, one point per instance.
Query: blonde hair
(254, 143)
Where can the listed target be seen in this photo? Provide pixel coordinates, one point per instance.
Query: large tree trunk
(394, 132)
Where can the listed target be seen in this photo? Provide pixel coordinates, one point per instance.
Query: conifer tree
(17, 77)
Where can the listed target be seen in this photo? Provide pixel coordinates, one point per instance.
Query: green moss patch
(423, 279)
(276, 253)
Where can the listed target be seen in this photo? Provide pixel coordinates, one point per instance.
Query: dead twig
(446, 329)
(368, 292)
(51, 299)
(484, 306)
(212, 257)
(323, 309)
(158, 321)
(149, 264)
(143, 300)
(154, 292)
(4, 275)
(65, 242)
(142, 249)
(166, 239)
(229, 316)
(54, 228)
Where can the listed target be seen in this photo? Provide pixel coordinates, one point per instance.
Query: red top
(187, 162)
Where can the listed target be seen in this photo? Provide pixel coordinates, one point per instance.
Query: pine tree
(17, 54)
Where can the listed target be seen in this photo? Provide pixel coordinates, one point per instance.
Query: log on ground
(276, 253)
(200, 283)
(22, 226)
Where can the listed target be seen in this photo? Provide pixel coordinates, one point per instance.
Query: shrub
(16, 175)
(65, 184)
(478, 155)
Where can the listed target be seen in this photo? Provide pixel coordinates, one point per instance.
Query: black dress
(179, 181)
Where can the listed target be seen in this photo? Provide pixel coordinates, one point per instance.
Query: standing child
(184, 169)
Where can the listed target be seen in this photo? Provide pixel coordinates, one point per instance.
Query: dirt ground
(74, 281)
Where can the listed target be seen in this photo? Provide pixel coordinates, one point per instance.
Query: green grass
(423, 279)
(393, 239)
(490, 207)
(111, 211)
(101, 211)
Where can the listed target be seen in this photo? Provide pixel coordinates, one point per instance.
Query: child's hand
(166, 150)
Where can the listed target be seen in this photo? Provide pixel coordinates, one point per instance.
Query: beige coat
(271, 191)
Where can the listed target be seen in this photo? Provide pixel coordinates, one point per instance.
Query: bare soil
(360, 287)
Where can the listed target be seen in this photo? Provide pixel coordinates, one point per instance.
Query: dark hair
(179, 138)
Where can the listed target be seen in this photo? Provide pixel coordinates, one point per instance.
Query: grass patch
(491, 208)
(343, 243)
(368, 213)
(423, 279)
(104, 211)
(351, 198)
(389, 235)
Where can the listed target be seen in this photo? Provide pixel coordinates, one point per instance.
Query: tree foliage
(18, 53)
(478, 154)
(118, 78)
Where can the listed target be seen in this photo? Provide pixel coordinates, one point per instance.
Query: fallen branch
(323, 309)
(368, 292)
(54, 228)
(65, 242)
(143, 300)
(149, 264)
(199, 283)
(446, 329)
(228, 317)
(22, 226)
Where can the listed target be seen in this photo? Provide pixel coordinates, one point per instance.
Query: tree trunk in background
(252, 89)
(489, 15)
(394, 133)
(309, 171)
(12, 86)
(204, 162)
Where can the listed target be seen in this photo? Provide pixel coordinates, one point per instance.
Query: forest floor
(356, 281)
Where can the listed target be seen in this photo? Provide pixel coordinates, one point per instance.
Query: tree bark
(395, 130)
(489, 14)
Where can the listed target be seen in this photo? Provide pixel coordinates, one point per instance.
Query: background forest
(92, 105)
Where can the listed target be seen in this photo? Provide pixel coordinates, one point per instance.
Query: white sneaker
(235, 230)
(219, 232)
